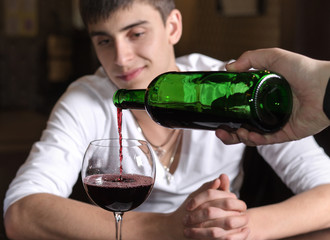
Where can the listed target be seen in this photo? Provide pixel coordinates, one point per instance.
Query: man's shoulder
(96, 77)
(97, 81)
(199, 62)
(97, 86)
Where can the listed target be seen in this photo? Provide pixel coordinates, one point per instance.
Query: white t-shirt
(86, 112)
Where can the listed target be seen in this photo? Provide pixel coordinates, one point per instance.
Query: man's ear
(174, 26)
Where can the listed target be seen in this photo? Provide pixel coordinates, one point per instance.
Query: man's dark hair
(93, 11)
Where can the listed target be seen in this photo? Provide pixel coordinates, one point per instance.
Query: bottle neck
(129, 99)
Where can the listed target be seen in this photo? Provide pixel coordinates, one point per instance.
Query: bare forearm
(324, 72)
(45, 216)
(302, 213)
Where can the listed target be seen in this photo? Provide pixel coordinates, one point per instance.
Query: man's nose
(123, 53)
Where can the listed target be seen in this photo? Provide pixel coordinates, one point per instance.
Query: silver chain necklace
(161, 152)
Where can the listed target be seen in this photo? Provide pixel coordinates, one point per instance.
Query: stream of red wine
(119, 120)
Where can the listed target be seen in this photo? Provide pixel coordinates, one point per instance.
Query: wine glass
(118, 175)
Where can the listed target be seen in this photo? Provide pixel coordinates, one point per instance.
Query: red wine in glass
(117, 194)
(114, 190)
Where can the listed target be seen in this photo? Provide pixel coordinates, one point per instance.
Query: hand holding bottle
(308, 79)
(215, 212)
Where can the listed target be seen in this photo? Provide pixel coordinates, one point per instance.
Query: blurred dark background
(44, 47)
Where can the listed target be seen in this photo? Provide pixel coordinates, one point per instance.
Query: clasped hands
(213, 212)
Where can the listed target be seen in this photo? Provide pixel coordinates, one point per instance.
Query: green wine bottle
(259, 100)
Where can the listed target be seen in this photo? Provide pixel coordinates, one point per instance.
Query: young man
(134, 42)
(309, 79)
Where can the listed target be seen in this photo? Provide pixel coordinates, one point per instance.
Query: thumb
(257, 59)
(224, 183)
(214, 184)
(240, 65)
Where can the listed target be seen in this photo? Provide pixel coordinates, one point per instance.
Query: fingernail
(230, 65)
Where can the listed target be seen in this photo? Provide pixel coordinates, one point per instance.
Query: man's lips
(127, 76)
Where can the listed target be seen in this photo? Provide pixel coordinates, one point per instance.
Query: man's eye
(138, 34)
(103, 42)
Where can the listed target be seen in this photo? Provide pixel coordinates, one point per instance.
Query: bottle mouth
(117, 98)
(272, 103)
(129, 99)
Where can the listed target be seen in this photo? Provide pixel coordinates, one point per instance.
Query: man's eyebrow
(103, 33)
(134, 25)
(98, 33)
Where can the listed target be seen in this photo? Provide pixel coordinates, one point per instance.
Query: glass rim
(98, 142)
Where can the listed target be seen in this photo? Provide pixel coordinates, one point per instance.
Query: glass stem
(119, 219)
